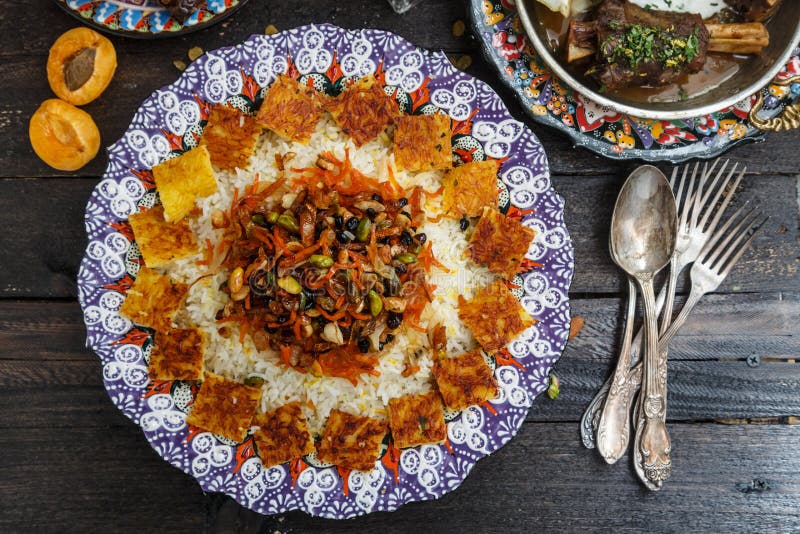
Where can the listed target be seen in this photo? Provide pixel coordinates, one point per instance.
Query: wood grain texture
(45, 367)
(108, 479)
(42, 261)
(428, 26)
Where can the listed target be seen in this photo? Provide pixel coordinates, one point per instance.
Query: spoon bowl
(645, 222)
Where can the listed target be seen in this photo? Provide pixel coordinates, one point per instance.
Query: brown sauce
(718, 67)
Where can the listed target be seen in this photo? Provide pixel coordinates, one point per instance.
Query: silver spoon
(643, 231)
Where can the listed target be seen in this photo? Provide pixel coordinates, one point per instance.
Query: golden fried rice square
(291, 109)
(177, 354)
(500, 243)
(494, 315)
(422, 142)
(153, 300)
(470, 187)
(351, 441)
(160, 241)
(182, 180)
(417, 420)
(224, 407)
(230, 137)
(363, 110)
(465, 380)
(283, 435)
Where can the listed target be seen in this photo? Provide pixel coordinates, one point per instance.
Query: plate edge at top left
(109, 28)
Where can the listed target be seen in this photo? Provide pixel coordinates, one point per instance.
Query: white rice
(228, 357)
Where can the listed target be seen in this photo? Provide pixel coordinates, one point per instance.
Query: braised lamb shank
(638, 46)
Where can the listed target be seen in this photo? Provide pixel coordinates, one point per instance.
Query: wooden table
(70, 461)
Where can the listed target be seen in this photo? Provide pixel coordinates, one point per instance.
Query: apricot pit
(80, 65)
(63, 136)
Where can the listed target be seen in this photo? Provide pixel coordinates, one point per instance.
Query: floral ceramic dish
(171, 120)
(145, 18)
(618, 136)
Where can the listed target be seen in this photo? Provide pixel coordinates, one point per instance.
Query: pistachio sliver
(290, 285)
(375, 303)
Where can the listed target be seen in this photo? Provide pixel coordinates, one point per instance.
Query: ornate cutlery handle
(591, 417)
(652, 444)
(613, 426)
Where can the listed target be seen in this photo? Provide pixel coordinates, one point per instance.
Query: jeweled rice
(318, 395)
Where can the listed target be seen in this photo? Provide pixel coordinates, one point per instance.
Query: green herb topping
(638, 44)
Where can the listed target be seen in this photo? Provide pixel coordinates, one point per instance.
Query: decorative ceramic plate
(172, 119)
(614, 135)
(145, 18)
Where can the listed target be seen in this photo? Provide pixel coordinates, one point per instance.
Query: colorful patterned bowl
(755, 73)
(171, 120)
(145, 19)
(616, 135)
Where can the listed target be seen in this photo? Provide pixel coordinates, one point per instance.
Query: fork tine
(714, 189)
(693, 205)
(723, 189)
(707, 193)
(706, 171)
(725, 202)
(679, 195)
(740, 234)
(753, 233)
(672, 178)
(713, 242)
(725, 246)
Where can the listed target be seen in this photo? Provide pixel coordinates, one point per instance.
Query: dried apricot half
(81, 65)
(65, 137)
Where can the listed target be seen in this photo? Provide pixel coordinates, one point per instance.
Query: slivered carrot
(360, 316)
(296, 330)
(243, 326)
(328, 316)
(409, 370)
(393, 180)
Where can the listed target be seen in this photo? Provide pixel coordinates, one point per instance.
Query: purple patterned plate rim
(422, 81)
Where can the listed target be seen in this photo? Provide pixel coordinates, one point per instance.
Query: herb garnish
(638, 44)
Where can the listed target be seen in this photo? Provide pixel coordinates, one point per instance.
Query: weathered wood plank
(45, 368)
(543, 478)
(42, 260)
(93, 479)
(43, 238)
(42, 330)
(439, 15)
(724, 327)
(773, 255)
(24, 58)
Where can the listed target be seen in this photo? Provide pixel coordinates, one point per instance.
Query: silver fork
(606, 420)
(713, 264)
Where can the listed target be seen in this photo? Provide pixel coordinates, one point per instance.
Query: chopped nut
(458, 28)
(555, 387)
(270, 30)
(462, 62)
(195, 52)
(219, 219)
(395, 304)
(180, 65)
(323, 163)
(333, 334)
